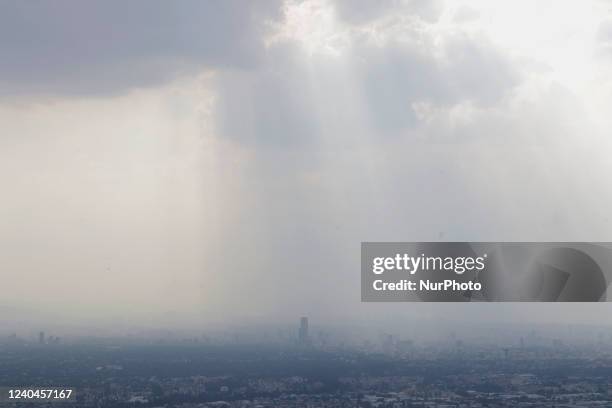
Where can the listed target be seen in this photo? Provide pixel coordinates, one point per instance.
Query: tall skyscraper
(41, 337)
(303, 331)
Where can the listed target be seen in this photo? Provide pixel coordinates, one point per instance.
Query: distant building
(41, 337)
(53, 340)
(303, 331)
(388, 344)
(405, 346)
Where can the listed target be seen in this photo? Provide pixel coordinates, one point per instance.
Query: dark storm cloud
(71, 46)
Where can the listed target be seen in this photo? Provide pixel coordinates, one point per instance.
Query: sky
(197, 162)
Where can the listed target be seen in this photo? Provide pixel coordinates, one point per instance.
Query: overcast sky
(196, 161)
